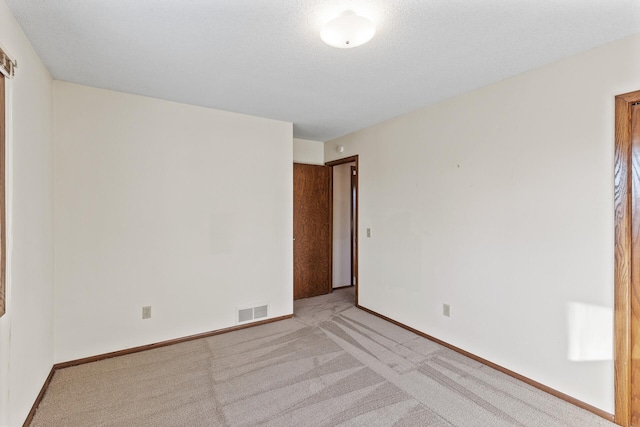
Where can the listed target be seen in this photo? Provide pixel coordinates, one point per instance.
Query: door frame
(623, 250)
(353, 221)
(354, 258)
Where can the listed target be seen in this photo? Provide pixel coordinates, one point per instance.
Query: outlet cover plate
(446, 310)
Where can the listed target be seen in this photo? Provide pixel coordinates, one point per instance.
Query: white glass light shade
(347, 30)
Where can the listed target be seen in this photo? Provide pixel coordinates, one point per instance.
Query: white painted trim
(8, 154)
(5, 359)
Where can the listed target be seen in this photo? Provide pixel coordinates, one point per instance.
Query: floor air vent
(260, 312)
(245, 315)
(253, 313)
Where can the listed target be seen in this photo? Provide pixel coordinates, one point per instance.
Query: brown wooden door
(311, 230)
(635, 267)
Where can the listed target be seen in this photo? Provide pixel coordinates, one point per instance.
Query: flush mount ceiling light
(348, 30)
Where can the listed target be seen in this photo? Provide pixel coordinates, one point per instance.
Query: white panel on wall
(184, 209)
(500, 203)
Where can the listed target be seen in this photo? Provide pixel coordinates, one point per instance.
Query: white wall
(500, 203)
(307, 151)
(26, 330)
(185, 209)
(342, 225)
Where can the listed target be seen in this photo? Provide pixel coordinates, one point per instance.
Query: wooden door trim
(343, 161)
(331, 164)
(331, 289)
(353, 221)
(623, 168)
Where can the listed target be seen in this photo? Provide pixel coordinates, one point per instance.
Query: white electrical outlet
(146, 312)
(446, 310)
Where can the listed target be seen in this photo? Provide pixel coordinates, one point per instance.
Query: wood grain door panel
(311, 231)
(635, 268)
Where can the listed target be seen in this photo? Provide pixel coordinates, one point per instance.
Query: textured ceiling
(265, 58)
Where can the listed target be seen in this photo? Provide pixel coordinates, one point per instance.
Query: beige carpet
(332, 364)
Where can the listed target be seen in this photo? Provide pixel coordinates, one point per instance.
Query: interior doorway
(343, 243)
(344, 223)
(627, 259)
